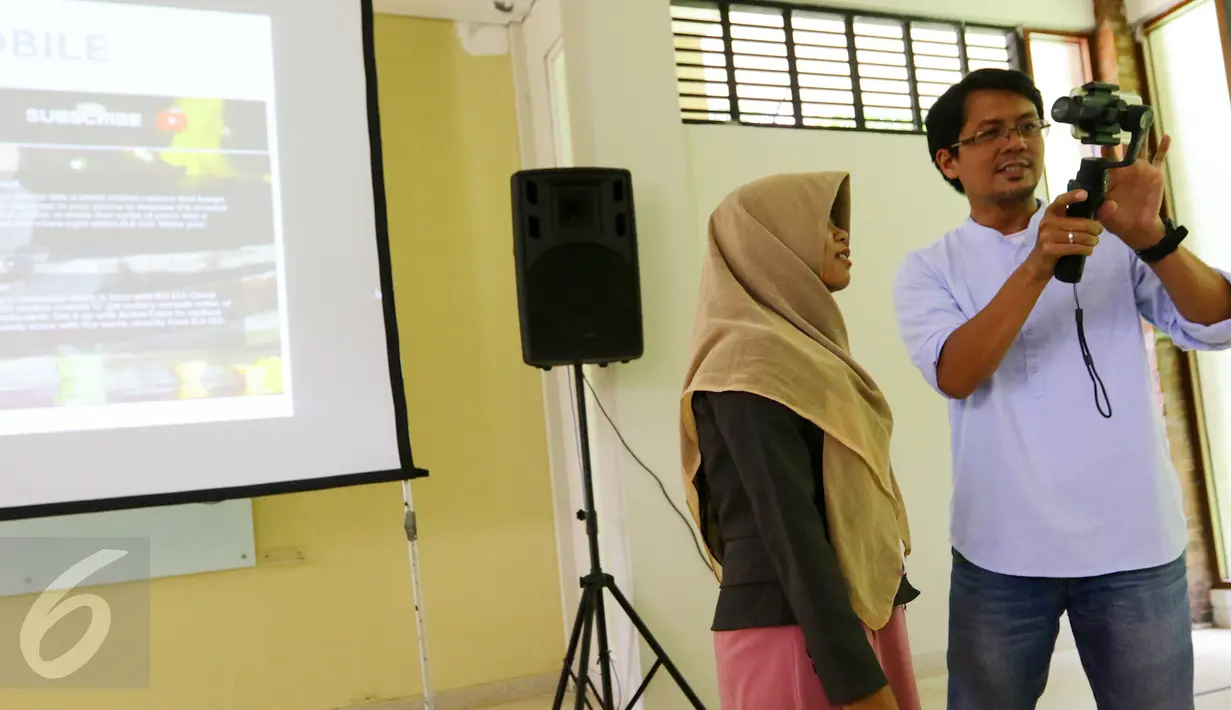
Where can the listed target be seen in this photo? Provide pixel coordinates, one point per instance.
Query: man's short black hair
(948, 115)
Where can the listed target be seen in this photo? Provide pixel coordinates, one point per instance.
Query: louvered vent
(778, 65)
(701, 62)
(823, 70)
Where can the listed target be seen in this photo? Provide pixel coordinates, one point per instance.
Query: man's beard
(1021, 194)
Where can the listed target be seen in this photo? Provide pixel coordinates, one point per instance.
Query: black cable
(653, 475)
(1088, 358)
(619, 686)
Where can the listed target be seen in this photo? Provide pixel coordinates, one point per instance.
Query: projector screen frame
(407, 470)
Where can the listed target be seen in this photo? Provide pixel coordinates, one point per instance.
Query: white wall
(624, 113)
(1138, 10)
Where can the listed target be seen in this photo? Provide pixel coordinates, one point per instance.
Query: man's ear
(947, 162)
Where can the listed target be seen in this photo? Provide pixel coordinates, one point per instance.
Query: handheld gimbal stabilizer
(1099, 113)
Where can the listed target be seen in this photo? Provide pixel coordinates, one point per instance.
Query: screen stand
(591, 616)
(412, 538)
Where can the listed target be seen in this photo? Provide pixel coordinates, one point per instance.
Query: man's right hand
(1061, 235)
(882, 700)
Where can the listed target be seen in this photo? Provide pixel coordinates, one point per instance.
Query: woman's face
(836, 266)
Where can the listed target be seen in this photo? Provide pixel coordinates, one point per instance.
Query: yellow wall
(338, 628)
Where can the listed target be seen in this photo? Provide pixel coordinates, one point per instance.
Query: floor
(1067, 688)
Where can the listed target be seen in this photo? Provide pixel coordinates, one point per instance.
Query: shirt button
(1034, 369)
(1030, 331)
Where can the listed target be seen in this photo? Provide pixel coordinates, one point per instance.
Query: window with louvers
(808, 67)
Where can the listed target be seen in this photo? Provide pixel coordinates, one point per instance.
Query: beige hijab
(767, 325)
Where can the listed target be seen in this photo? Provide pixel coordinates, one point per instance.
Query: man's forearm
(1200, 293)
(974, 351)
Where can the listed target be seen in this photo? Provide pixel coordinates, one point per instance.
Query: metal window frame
(1216, 537)
(1016, 49)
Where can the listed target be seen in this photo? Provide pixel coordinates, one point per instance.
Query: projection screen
(195, 291)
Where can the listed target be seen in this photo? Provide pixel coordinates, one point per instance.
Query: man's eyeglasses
(1026, 129)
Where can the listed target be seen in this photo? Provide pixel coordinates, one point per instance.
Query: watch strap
(1172, 236)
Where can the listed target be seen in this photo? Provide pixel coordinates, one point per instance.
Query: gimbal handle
(1092, 176)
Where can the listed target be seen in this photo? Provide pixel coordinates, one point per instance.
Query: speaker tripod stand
(591, 614)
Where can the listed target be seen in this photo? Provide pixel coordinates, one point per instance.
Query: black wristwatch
(1172, 236)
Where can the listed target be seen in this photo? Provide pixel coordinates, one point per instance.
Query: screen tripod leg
(410, 523)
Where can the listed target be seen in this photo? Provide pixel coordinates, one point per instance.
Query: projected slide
(141, 267)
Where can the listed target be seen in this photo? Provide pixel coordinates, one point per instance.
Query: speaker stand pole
(591, 614)
(410, 523)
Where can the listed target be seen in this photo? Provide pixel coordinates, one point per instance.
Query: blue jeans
(1133, 633)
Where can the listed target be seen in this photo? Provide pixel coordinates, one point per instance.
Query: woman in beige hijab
(786, 462)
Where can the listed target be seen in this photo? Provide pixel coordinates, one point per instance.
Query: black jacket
(761, 472)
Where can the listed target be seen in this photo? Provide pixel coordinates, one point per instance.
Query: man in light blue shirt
(1058, 507)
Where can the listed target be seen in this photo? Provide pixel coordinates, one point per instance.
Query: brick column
(1113, 46)
(1117, 59)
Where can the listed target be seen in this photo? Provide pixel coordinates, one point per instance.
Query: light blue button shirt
(1044, 486)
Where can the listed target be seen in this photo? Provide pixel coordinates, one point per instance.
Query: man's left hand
(1136, 191)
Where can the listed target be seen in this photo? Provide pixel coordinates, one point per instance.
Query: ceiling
(463, 10)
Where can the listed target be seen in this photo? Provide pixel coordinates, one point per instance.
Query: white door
(547, 141)
(1189, 82)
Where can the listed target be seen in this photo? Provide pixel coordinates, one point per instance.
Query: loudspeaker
(578, 281)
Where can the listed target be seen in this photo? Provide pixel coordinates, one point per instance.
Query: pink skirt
(765, 668)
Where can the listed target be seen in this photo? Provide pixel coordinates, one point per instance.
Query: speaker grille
(583, 305)
(577, 273)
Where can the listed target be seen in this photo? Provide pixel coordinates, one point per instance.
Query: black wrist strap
(1172, 237)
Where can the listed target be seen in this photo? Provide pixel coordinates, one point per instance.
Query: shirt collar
(974, 229)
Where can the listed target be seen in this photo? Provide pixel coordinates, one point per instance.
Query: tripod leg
(654, 646)
(658, 662)
(583, 668)
(571, 654)
(607, 699)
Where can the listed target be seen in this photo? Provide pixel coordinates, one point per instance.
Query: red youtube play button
(173, 120)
